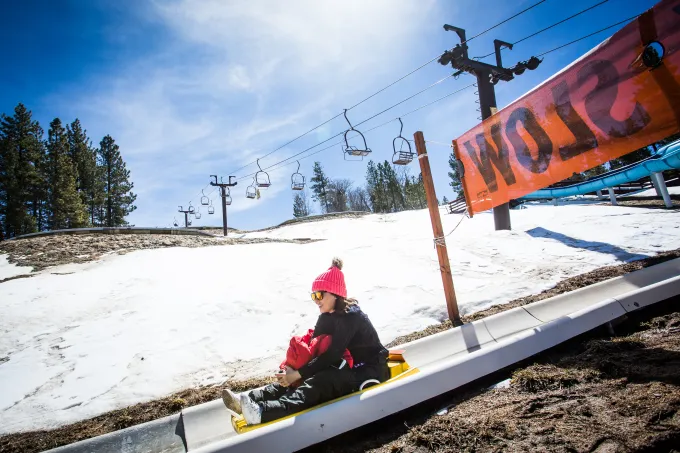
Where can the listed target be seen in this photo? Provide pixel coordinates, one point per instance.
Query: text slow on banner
(604, 105)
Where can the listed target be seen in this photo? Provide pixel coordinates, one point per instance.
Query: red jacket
(304, 348)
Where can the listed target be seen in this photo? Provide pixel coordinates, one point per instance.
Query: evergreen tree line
(626, 159)
(385, 190)
(61, 181)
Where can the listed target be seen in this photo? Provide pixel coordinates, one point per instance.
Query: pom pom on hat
(337, 262)
(332, 281)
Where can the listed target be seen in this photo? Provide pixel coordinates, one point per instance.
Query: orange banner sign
(610, 102)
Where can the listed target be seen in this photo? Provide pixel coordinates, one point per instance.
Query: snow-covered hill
(135, 327)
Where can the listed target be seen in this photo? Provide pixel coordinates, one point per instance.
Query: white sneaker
(252, 411)
(232, 402)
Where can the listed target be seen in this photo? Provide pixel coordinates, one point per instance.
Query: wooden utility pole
(223, 194)
(440, 242)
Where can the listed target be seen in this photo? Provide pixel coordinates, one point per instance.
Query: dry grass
(47, 251)
(36, 441)
(605, 395)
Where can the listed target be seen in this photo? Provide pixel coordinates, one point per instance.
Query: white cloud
(237, 80)
(238, 77)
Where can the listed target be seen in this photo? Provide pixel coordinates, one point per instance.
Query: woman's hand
(287, 378)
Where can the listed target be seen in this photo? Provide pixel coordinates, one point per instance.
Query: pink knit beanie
(332, 281)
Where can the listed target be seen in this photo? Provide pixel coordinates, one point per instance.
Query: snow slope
(652, 192)
(8, 270)
(139, 326)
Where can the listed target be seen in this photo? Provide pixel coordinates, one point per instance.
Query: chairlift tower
(224, 194)
(487, 77)
(186, 212)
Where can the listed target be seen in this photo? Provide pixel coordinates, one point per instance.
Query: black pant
(277, 401)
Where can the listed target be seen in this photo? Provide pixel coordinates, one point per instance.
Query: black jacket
(351, 330)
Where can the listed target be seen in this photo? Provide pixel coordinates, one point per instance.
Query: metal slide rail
(445, 361)
(668, 158)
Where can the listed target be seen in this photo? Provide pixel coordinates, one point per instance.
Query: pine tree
(84, 161)
(300, 208)
(22, 183)
(455, 183)
(66, 209)
(319, 187)
(98, 195)
(377, 190)
(415, 193)
(630, 158)
(393, 188)
(118, 188)
(338, 194)
(595, 171)
(445, 201)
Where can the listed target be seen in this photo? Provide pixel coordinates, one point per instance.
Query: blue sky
(190, 88)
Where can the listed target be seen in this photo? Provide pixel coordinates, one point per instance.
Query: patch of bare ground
(618, 394)
(656, 203)
(36, 441)
(565, 286)
(46, 251)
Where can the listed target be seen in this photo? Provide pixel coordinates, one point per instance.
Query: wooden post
(440, 245)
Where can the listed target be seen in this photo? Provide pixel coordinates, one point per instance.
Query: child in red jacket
(303, 349)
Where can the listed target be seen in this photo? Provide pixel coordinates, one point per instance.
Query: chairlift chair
(353, 151)
(205, 201)
(251, 190)
(297, 179)
(402, 157)
(262, 177)
(174, 222)
(211, 208)
(190, 209)
(227, 197)
(197, 214)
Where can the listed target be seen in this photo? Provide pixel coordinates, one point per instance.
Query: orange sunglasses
(317, 295)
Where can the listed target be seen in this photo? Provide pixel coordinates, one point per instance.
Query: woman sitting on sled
(327, 376)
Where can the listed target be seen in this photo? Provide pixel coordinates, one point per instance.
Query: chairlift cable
(362, 122)
(392, 84)
(549, 27)
(502, 22)
(395, 82)
(376, 127)
(588, 36)
(286, 144)
(404, 100)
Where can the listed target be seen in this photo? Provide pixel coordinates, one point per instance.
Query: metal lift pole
(487, 76)
(223, 194)
(186, 216)
(487, 105)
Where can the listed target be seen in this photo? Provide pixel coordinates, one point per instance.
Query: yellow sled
(398, 369)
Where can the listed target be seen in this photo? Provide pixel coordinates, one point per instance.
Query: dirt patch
(46, 251)
(602, 395)
(312, 218)
(657, 203)
(565, 286)
(36, 441)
